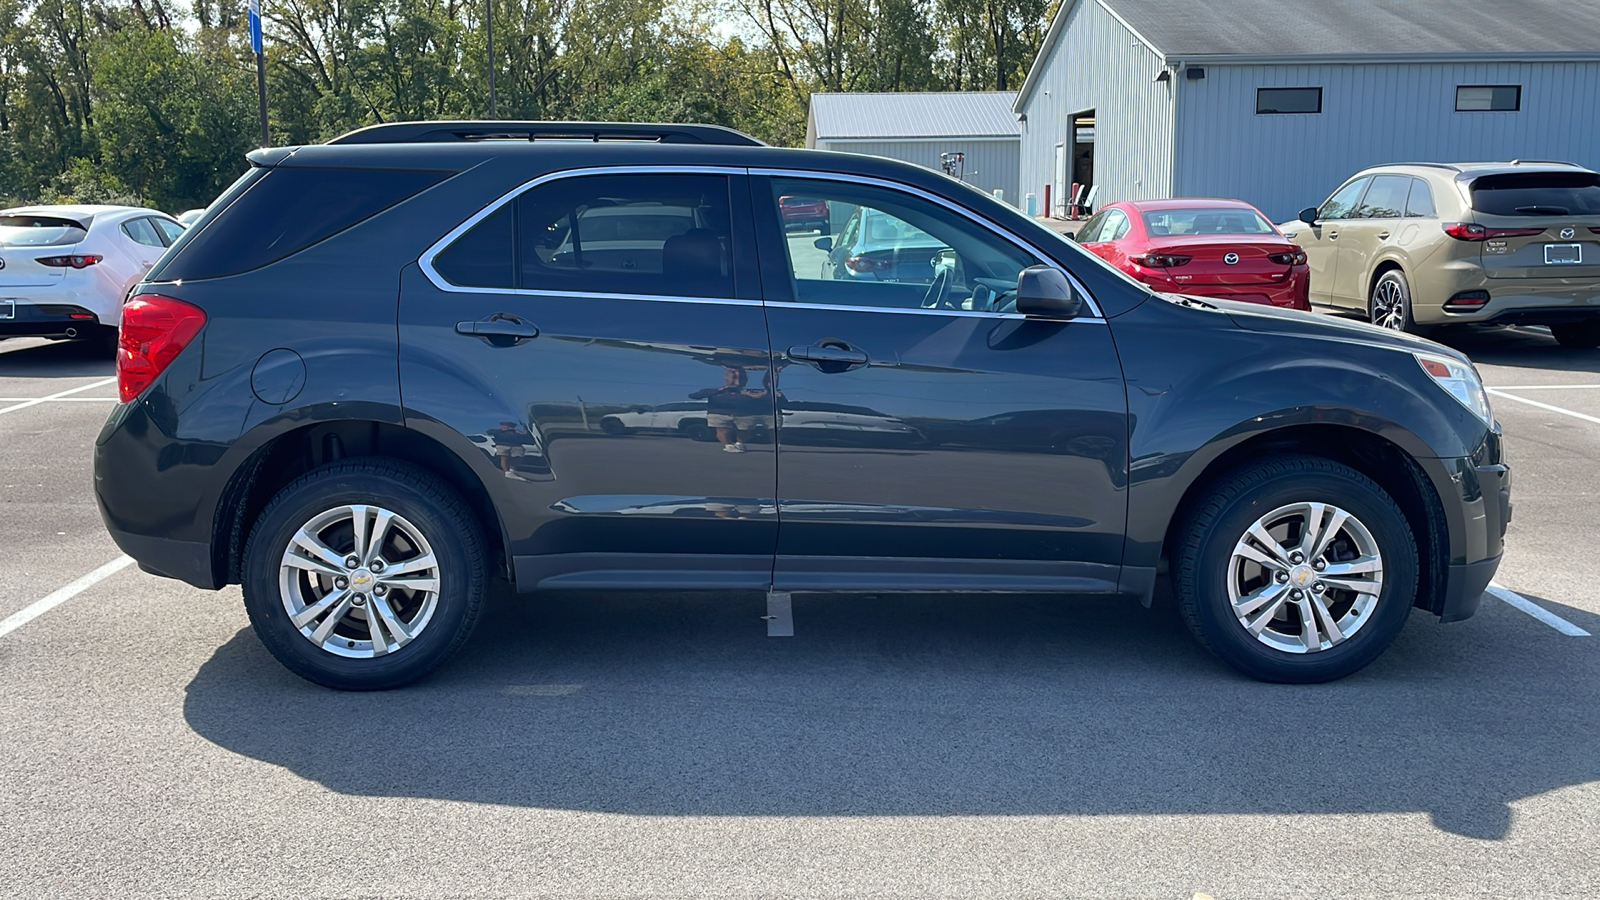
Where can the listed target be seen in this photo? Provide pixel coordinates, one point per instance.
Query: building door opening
(1080, 136)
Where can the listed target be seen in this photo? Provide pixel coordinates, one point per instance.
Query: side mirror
(1070, 235)
(823, 243)
(1043, 291)
(1309, 215)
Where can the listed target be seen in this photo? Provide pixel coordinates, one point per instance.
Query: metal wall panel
(1371, 115)
(990, 164)
(1098, 64)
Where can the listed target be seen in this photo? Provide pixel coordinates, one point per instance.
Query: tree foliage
(152, 102)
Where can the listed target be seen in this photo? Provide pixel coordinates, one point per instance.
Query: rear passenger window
(169, 229)
(1420, 204)
(1386, 199)
(652, 235)
(286, 211)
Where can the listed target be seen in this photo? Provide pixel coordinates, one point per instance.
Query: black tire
(1390, 289)
(613, 425)
(1201, 560)
(105, 342)
(426, 503)
(1577, 335)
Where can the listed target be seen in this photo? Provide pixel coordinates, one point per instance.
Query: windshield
(39, 231)
(1168, 222)
(1538, 194)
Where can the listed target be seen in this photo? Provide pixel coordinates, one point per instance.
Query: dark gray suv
(381, 373)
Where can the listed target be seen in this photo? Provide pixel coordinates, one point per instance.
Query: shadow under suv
(377, 374)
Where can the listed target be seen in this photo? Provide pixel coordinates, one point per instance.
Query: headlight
(1461, 380)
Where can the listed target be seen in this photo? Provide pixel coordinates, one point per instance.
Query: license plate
(1563, 254)
(8, 309)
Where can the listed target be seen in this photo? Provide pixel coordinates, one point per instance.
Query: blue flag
(255, 26)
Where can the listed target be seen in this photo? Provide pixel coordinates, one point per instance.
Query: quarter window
(169, 229)
(652, 235)
(1282, 101)
(1489, 98)
(1420, 204)
(903, 252)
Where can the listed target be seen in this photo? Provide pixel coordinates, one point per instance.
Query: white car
(190, 216)
(65, 270)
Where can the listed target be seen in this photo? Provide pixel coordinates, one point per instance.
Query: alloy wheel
(1389, 305)
(359, 581)
(1305, 577)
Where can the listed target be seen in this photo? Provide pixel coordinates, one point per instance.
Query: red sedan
(1206, 248)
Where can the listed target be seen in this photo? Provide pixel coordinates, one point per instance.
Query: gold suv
(1424, 244)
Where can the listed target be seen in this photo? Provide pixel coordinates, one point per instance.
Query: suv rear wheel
(364, 575)
(1578, 335)
(1390, 303)
(1296, 570)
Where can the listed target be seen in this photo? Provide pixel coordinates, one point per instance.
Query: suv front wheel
(1296, 570)
(364, 575)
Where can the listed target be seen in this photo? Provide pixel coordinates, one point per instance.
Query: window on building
(1282, 101)
(1488, 98)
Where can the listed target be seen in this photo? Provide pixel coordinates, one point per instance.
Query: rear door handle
(1383, 235)
(500, 325)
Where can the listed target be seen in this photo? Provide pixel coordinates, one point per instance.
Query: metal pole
(254, 18)
(261, 92)
(488, 21)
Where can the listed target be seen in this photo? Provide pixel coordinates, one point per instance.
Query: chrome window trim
(425, 262)
(1019, 242)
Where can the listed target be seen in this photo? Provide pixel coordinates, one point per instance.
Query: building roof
(1307, 31)
(943, 114)
(1272, 28)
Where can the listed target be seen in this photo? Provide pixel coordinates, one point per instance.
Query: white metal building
(923, 127)
(1276, 102)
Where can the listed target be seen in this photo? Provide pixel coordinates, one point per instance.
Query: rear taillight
(154, 330)
(1292, 258)
(1161, 260)
(1595, 230)
(1466, 301)
(1467, 231)
(77, 262)
(868, 264)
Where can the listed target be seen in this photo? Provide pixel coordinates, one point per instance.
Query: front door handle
(509, 329)
(830, 356)
(1333, 235)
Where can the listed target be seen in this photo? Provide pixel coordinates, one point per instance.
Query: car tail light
(154, 330)
(1160, 260)
(1467, 301)
(1595, 230)
(1467, 231)
(868, 264)
(77, 262)
(1292, 258)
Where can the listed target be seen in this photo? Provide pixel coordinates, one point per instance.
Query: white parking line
(58, 399)
(62, 594)
(1546, 387)
(58, 395)
(1495, 391)
(1538, 612)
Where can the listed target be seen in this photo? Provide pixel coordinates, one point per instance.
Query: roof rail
(429, 132)
(1544, 162)
(1431, 165)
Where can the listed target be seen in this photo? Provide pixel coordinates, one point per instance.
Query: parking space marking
(58, 399)
(62, 594)
(1498, 393)
(1514, 599)
(58, 395)
(1545, 387)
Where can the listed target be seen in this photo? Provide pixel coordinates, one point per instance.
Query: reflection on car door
(947, 443)
(512, 333)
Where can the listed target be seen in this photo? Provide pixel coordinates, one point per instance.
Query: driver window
(1343, 202)
(894, 250)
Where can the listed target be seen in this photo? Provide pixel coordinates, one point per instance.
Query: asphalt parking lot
(661, 746)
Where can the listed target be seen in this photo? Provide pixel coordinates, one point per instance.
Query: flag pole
(261, 68)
